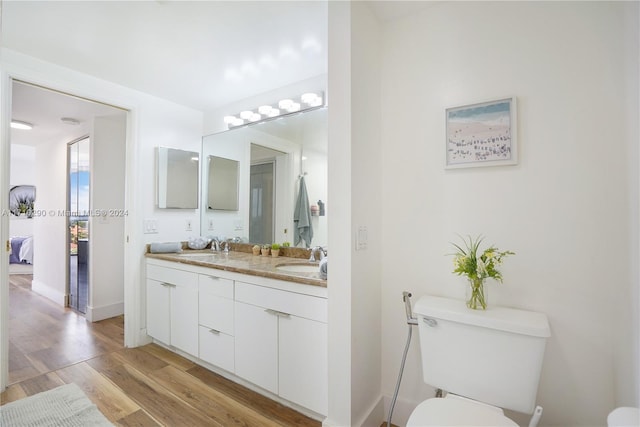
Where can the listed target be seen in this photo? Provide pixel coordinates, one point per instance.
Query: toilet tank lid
(494, 317)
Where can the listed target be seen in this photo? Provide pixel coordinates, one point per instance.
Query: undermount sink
(299, 268)
(198, 255)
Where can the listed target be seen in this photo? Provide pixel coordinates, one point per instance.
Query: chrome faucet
(215, 244)
(322, 251)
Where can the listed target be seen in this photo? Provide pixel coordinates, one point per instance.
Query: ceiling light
(246, 115)
(70, 121)
(17, 124)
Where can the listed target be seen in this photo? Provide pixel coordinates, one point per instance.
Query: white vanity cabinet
(172, 307)
(281, 343)
(269, 332)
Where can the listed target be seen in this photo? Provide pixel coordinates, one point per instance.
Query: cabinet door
(256, 346)
(158, 316)
(303, 373)
(184, 318)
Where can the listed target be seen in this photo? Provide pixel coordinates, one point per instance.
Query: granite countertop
(246, 263)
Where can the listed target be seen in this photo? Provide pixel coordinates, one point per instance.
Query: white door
(184, 318)
(158, 311)
(256, 346)
(303, 374)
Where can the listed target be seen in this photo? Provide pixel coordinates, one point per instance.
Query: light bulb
(246, 114)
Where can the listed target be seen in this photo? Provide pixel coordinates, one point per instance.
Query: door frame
(131, 239)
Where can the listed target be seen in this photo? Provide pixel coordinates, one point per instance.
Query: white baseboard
(401, 411)
(375, 415)
(47, 291)
(95, 314)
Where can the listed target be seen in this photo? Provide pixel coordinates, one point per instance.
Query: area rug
(63, 406)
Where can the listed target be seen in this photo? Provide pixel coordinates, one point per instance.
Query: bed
(21, 250)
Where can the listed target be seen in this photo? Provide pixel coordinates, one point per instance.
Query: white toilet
(485, 360)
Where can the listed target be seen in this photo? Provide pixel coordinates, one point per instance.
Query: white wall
(565, 209)
(340, 236)
(50, 229)
(367, 209)
(23, 169)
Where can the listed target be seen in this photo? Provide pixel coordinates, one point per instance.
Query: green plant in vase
(477, 266)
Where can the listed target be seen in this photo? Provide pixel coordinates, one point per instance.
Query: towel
(323, 268)
(302, 217)
(165, 248)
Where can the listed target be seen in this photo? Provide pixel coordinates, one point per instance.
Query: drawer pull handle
(168, 284)
(277, 313)
(213, 277)
(214, 331)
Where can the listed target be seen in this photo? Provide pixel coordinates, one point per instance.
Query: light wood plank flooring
(146, 386)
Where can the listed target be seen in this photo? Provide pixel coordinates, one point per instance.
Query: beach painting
(482, 134)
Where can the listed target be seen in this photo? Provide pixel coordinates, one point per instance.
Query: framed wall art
(21, 200)
(482, 134)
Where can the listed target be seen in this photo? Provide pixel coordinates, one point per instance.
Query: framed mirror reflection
(271, 157)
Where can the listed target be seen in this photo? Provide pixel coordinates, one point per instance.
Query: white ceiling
(44, 108)
(201, 54)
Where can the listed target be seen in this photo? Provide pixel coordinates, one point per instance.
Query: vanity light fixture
(283, 107)
(17, 124)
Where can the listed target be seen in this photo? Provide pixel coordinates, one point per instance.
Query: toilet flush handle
(429, 321)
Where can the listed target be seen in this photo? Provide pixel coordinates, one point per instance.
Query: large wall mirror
(177, 178)
(271, 157)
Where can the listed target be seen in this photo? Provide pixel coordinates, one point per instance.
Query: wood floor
(146, 386)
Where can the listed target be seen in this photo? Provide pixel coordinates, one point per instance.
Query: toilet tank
(493, 356)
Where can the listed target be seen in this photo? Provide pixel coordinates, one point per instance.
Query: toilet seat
(457, 411)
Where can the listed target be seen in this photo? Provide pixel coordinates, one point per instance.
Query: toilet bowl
(457, 411)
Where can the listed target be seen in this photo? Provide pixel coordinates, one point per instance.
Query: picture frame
(482, 134)
(21, 200)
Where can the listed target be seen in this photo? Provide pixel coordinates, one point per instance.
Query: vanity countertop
(246, 263)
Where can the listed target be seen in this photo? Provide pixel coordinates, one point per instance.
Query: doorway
(59, 118)
(78, 191)
(261, 203)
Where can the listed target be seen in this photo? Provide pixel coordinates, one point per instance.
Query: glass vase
(476, 295)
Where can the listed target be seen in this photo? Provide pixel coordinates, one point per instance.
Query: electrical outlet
(188, 225)
(150, 226)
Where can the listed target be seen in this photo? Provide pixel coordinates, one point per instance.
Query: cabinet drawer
(171, 275)
(215, 312)
(306, 306)
(217, 348)
(216, 285)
